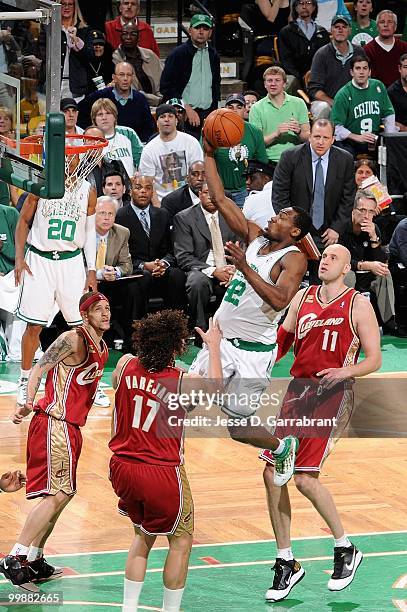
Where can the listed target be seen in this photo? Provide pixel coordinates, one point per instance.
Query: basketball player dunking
(328, 324)
(58, 233)
(267, 277)
(74, 363)
(147, 469)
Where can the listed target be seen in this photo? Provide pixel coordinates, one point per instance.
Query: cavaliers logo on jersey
(309, 299)
(89, 374)
(311, 320)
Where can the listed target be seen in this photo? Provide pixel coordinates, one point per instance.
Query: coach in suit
(113, 266)
(185, 196)
(150, 245)
(319, 178)
(200, 234)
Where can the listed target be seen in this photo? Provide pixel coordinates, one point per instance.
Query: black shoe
(346, 562)
(287, 575)
(41, 570)
(17, 570)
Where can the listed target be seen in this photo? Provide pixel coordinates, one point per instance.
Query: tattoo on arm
(61, 348)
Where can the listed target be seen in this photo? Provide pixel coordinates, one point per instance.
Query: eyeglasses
(365, 211)
(305, 3)
(105, 213)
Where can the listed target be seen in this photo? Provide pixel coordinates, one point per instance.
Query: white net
(79, 166)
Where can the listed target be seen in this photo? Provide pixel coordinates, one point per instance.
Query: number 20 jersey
(324, 334)
(60, 225)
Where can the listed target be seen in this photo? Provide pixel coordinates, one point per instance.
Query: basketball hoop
(82, 154)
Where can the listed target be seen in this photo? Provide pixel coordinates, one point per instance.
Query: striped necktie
(144, 222)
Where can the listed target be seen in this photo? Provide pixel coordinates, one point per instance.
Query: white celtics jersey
(243, 313)
(59, 225)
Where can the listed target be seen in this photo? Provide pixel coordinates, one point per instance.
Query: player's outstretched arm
(23, 227)
(229, 210)
(67, 344)
(214, 382)
(365, 323)
(286, 331)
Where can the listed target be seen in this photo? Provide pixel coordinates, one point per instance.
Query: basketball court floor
(233, 543)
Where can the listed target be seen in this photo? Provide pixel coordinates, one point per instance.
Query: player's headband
(95, 297)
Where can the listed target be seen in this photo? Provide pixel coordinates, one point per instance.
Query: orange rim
(34, 144)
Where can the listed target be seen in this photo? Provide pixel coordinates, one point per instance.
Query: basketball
(223, 128)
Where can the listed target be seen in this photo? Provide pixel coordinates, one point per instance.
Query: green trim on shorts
(22, 317)
(55, 255)
(255, 347)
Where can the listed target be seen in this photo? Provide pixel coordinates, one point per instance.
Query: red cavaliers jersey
(69, 390)
(148, 424)
(324, 334)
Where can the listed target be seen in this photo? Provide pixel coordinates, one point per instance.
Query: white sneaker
(285, 462)
(101, 399)
(22, 391)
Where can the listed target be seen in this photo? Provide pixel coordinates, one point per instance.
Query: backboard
(30, 86)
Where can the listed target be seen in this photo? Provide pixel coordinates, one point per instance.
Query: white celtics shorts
(53, 281)
(247, 373)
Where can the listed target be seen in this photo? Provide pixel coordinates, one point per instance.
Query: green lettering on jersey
(235, 291)
(61, 229)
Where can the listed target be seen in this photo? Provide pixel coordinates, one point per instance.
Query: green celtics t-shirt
(362, 36)
(232, 161)
(361, 110)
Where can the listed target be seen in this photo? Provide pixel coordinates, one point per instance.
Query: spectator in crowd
(132, 107)
(129, 10)
(385, 50)
(200, 235)
(8, 56)
(363, 29)
(398, 95)
(74, 37)
(369, 269)
(320, 178)
(115, 187)
(113, 265)
(179, 106)
(150, 245)
(330, 68)
(70, 109)
(105, 166)
(100, 65)
(146, 64)
(192, 72)
(95, 13)
(168, 157)
(277, 15)
(328, 9)
(364, 168)
(359, 108)
(398, 269)
(282, 119)
(258, 206)
(124, 144)
(185, 196)
(250, 97)
(6, 122)
(299, 40)
(232, 161)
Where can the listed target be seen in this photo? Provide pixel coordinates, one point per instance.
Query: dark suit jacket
(293, 184)
(176, 201)
(192, 238)
(147, 248)
(117, 253)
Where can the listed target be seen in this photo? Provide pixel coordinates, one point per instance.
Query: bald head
(334, 264)
(340, 251)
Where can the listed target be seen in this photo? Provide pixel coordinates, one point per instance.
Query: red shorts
(317, 420)
(53, 450)
(156, 498)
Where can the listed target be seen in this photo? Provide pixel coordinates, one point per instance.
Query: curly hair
(158, 338)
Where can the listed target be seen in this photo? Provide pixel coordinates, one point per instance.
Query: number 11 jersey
(324, 333)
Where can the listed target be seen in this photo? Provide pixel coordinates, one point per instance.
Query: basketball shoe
(284, 463)
(346, 562)
(41, 570)
(17, 569)
(22, 391)
(101, 399)
(286, 575)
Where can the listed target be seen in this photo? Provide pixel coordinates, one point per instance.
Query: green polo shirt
(198, 90)
(232, 162)
(267, 117)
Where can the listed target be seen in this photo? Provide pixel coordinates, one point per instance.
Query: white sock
(343, 542)
(25, 373)
(172, 599)
(280, 448)
(34, 553)
(285, 553)
(131, 595)
(19, 549)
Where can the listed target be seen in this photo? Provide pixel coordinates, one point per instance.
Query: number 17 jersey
(324, 334)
